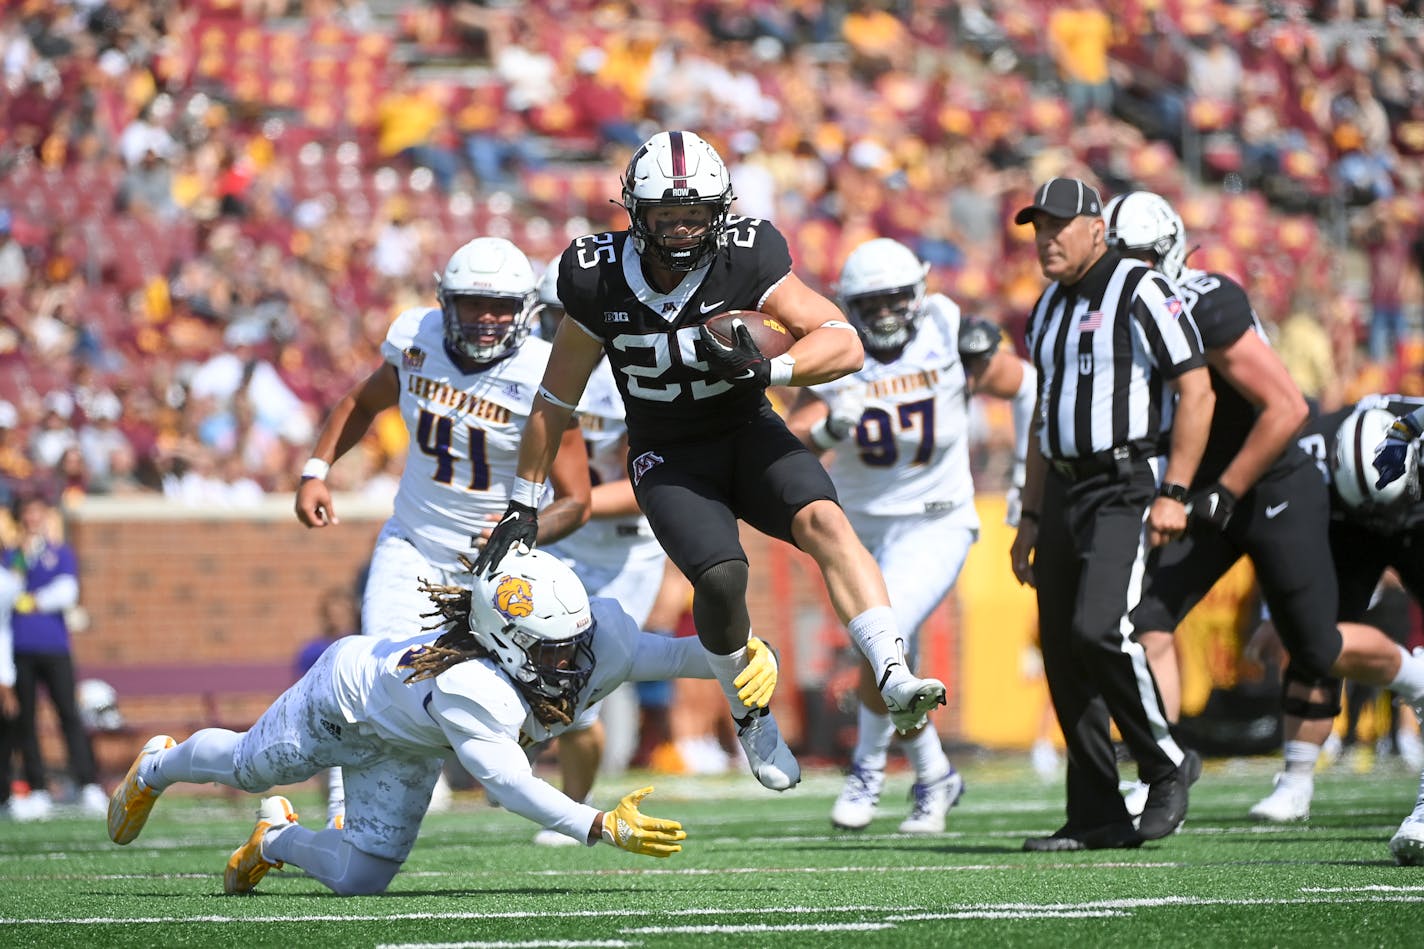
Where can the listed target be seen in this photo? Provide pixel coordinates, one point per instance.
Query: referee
(1111, 342)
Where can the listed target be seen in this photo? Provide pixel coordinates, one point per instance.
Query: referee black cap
(1063, 197)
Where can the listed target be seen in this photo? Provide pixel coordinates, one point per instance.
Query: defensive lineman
(463, 375)
(522, 653)
(899, 428)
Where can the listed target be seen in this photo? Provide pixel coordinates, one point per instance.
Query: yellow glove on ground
(757, 681)
(627, 828)
(25, 603)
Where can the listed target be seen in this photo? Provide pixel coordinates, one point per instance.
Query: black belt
(1116, 461)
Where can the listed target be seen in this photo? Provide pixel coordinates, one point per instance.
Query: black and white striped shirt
(1104, 349)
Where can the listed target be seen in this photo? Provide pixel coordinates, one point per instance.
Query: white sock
(1300, 760)
(872, 740)
(206, 756)
(335, 792)
(1408, 684)
(727, 668)
(927, 756)
(876, 636)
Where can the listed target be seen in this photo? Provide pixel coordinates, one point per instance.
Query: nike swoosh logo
(746, 374)
(709, 307)
(1275, 509)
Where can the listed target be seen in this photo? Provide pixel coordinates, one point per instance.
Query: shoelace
(858, 783)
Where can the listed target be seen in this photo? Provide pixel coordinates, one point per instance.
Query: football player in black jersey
(705, 446)
(1373, 527)
(1255, 493)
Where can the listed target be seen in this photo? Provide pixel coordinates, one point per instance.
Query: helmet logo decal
(513, 597)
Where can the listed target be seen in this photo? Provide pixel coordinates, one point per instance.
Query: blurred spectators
(1079, 34)
(291, 171)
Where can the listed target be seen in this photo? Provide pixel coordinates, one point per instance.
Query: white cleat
(1290, 801)
(932, 803)
(246, 867)
(909, 700)
(1407, 844)
(770, 759)
(132, 800)
(856, 805)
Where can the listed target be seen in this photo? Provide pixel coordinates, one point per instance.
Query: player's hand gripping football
(757, 681)
(743, 362)
(630, 829)
(520, 525)
(1393, 453)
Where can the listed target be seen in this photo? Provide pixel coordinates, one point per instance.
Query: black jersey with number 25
(651, 338)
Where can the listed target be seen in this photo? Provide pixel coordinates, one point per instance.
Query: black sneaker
(1108, 837)
(1166, 806)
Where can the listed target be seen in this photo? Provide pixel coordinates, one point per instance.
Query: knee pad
(719, 605)
(1299, 707)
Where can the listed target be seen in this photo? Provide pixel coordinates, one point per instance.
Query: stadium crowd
(211, 211)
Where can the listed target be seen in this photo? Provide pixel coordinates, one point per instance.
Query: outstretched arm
(344, 427)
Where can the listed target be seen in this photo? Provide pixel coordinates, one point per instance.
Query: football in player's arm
(705, 447)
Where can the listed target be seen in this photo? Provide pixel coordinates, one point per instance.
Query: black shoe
(1107, 837)
(1166, 806)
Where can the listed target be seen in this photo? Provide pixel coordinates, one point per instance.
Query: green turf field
(759, 869)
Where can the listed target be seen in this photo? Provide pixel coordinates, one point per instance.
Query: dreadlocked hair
(458, 644)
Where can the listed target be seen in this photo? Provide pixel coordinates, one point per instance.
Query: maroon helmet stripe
(679, 160)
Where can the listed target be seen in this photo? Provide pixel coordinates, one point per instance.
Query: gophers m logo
(513, 597)
(645, 463)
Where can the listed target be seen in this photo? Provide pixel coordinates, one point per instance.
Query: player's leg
(1299, 581)
(685, 498)
(386, 799)
(783, 490)
(391, 608)
(902, 548)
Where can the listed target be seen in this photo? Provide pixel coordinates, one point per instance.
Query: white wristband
(781, 369)
(315, 468)
(821, 435)
(528, 493)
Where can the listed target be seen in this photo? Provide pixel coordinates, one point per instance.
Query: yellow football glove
(757, 681)
(25, 603)
(627, 828)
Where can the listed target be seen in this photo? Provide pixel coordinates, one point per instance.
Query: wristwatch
(1174, 492)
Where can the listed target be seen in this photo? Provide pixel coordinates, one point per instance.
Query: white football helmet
(533, 617)
(882, 288)
(98, 705)
(1142, 220)
(487, 267)
(551, 310)
(1352, 465)
(677, 169)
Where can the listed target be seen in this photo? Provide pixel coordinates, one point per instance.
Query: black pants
(1361, 555)
(1088, 566)
(1282, 524)
(57, 674)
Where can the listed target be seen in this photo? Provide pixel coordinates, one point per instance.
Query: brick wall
(168, 584)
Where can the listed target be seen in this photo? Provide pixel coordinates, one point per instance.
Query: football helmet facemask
(487, 268)
(1352, 465)
(677, 169)
(882, 289)
(1142, 220)
(532, 615)
(551, 310)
